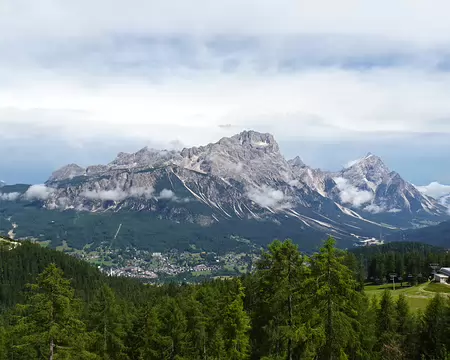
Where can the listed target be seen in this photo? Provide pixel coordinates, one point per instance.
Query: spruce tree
(335, 298)
(434, 329)
(236, 328)
(388, 340)
(48, 325)
(3, 353)
(387, 315)
(403, 316)
(107, 325)
(281, 273)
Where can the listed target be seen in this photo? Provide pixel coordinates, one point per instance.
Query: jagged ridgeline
(238, 188)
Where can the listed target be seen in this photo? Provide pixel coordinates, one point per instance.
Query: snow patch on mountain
(350, 194)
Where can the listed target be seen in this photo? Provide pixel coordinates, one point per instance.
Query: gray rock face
(371, 186)
(445, 201)
(244, 177)
(67, 172)
(145, 158)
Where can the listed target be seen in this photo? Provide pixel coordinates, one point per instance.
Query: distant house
(441, 278)
(445, 271)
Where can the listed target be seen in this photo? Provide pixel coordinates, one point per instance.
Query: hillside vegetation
(291, 307)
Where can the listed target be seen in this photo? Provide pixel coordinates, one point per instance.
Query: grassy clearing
(44, 243)
(417, 296)
(201, 273)
(64, 247)
(438, 288)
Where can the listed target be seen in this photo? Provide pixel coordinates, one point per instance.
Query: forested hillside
(409, 261)
(291, 307)
(438, 235)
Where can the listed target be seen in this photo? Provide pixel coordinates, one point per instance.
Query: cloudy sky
(332, 80)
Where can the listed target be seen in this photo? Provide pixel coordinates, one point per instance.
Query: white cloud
(315, 104)
(75, 72)
(351, 163)
(375, 209)
(350, 194)
(268, 197)
(105, 195)
(146, 192)
(38, 192)
(9, 196)
(118, 194)
(167, 194)
(434, 189)
(420, 20)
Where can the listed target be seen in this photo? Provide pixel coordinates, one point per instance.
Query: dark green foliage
(48, 324)
(408, 260)
(293, 307)
(106, 323)
(336, 297)
(438, 235)
(434, 341)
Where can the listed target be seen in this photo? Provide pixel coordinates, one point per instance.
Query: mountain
(445, 201)
(368, 184)
(437, 235)
(240, 185)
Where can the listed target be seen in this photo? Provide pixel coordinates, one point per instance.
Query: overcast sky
(332, 80)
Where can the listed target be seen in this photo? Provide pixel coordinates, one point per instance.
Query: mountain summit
(244, 164)
(239, 180)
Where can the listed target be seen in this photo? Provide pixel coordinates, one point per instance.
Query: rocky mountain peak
(254, 139)
(368, 171)
(297, 162)
(67, 172)
(250, 156)
(146, 157)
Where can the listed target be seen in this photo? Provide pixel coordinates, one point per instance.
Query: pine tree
(281, 273)
(236, 328)
(3, 354)
(335, 297)
(107, 324)
(403, 316)
(196, 328)
(48, 325)
(434, 329)
(386, 318)
(167, 331)
(388, 341)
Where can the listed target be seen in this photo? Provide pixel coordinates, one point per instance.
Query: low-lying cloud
(269, 197)
(434, 189)
(118, 194)
(167, 194)
(9, 196)
(377, 209)
(38, 192)
(350, 194)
